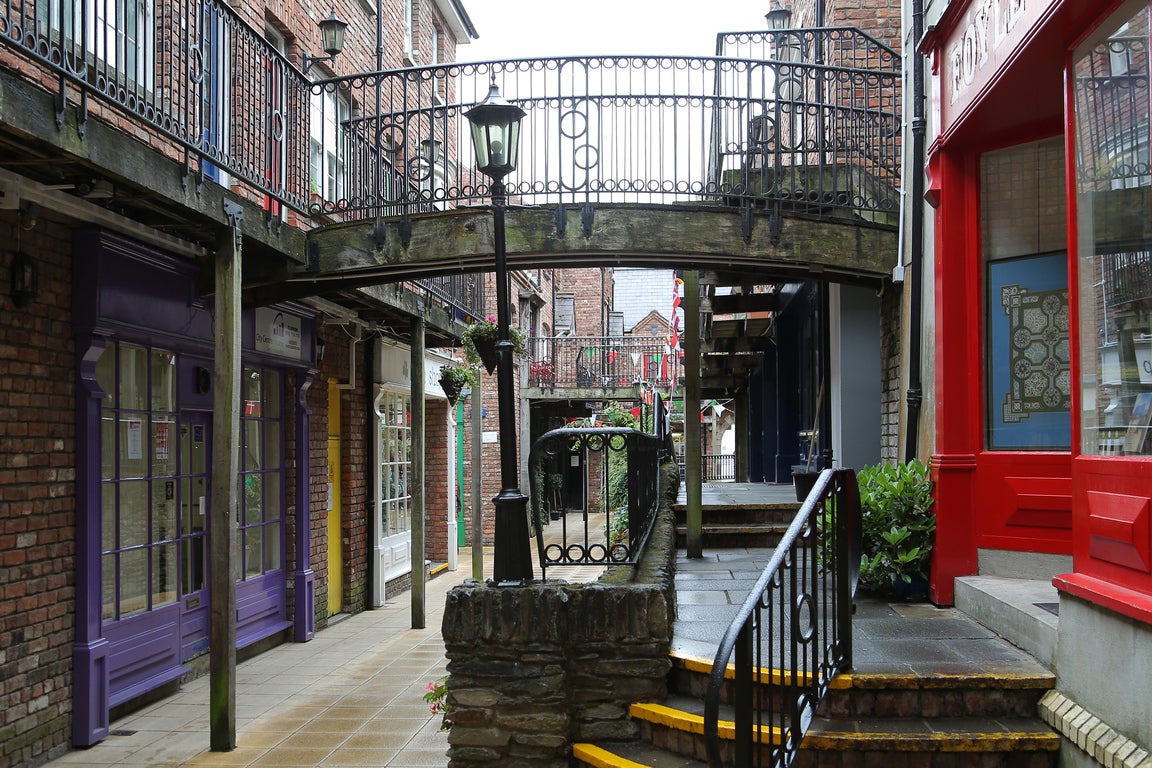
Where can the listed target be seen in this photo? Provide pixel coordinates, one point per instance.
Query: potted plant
(897, 529)
(479, 340)
(453, 380)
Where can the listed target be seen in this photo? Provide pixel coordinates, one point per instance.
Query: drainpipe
(916, 260)
(370, 440)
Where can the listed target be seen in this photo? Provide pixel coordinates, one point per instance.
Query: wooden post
(225, 502)
(740, 447)
(418, 461)
(692, 469)
(477, 480)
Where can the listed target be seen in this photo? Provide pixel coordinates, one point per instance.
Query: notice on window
(161, 446)
(135, 437)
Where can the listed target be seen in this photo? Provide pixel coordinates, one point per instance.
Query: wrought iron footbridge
(795, 125)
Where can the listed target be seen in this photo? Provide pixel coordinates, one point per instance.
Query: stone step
(728, 535)
(1008, 694)
(629, 754)
(944, 742)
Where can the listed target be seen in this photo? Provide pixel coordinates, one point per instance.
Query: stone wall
(535, 668)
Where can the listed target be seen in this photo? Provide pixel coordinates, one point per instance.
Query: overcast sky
(514, 29)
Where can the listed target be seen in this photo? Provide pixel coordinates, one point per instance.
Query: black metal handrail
(624, 464)
(815, 131)
(792, 634)
(606, 362)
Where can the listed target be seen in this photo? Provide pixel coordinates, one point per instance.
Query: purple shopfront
(144, 342)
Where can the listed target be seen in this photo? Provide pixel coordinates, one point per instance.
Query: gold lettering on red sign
(989, 23)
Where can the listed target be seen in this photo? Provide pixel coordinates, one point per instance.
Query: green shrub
(898, 526)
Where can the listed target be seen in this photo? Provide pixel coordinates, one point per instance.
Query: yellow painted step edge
(764, 675)
(602, 758)
(847, 680)
(679, 720)
(935, 742)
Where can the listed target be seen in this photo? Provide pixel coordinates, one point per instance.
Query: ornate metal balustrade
(792, 634)
(794, 124)
(625, 489)
(605, 362)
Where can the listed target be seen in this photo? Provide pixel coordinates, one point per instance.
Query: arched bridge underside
(760, 243)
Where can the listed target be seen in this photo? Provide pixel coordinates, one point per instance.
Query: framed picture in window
(1138, 425)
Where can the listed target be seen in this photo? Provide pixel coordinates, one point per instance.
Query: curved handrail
(807, 589)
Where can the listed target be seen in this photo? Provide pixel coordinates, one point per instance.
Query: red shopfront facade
(1040, 183)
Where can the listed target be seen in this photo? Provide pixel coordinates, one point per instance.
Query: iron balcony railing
(606, 362)
(625, 488)
(793, 124)
(792, 634)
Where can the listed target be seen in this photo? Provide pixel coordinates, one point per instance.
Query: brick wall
(437, 471)
(37, 498)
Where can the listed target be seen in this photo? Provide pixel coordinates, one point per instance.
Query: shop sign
(277, 333)
(987, 35)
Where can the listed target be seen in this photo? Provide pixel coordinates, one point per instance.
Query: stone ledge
(1093, 736)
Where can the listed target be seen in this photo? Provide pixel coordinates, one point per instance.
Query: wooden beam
(225, 493)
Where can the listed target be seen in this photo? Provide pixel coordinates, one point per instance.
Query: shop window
(395, 409)
(1114, 252)
(140, 531)
(1028, 388)
(261, 474)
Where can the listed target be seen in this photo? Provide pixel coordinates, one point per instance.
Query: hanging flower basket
(453, 379)
(479, 340)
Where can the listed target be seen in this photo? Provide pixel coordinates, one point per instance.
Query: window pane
(272, 547)
(193, 566)
(133, 377)
(272, 508)
(108, 574)
(254, 551)
(272, 444)
(163, 380)
(253, 499)
(1114, 259)
(108, 445)
(133, 581)
(163, 510)
(1028, 378)
(133, 460)
(163, 447)
(108, 515)
(272, 394)
(252, 445)
(133, 513)
(164, 575)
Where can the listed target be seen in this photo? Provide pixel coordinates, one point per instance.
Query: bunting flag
(674, 340)
(636, 359)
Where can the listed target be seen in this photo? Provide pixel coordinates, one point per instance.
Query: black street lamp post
(495, 138)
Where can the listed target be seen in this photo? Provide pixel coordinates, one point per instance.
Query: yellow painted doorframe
(335, 533)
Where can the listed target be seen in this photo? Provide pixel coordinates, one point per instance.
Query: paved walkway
(353, 696)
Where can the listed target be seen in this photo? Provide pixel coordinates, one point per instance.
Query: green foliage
(460, 375)
(488, 331)
(898, 525)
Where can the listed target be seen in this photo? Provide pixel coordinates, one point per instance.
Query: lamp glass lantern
(332, 33)
(779, 16)
(331, 38)
(495, 134)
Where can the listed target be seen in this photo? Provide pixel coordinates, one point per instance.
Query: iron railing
(625, 484)
(718, 467)
(606, 362)
(792, 634)
(815, 131)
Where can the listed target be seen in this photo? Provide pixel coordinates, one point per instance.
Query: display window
(1110, 99)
